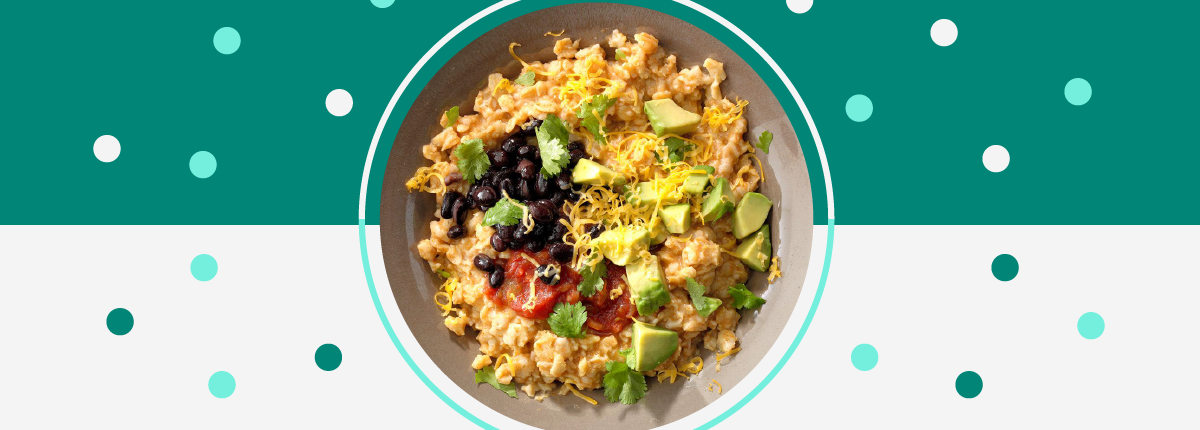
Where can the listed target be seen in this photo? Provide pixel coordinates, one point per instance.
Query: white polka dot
(799, 6)
(944, 32)
(995, 158)
(339, 102)
(106, 148)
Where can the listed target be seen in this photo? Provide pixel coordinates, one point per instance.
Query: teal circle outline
(1090, 322)
(471, 417)
(864, 357)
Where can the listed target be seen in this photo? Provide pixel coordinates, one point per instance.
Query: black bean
(595, 230)
(525, 190)
(573, 196)
(505, 232)
(498, 243)
(557, 233)
(511, 144)
(458, 208)
(518, 237)
(575, 145)
(496, 278)
(453, 178)
(534, 245)
(485, 196)
(541, 231)
(527, 151)
(656, 247)
(558, 197)
(499, 158)
(527, 170)
(561, 252)
(563, 181)
(542, 210)
(548, 273)
(576, 155)
(508, 186)
(531, 128)
(542, 186)
(483, 262)
(456, 232)
(448, 204)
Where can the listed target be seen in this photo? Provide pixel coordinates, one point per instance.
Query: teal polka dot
(221, 384)
(203, 164)
(859, 108)
(119, 321)
(1004, 267)
(1091, 325)
(968, 384)
(1078, 91)
(382, 3)
(328, 357)
(227, 40)
(204, 267)
(864, 357)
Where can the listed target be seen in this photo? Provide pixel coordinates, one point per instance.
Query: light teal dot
(204, 267)
(1091, 325)
(382, 3)
(1078, 91)
(227, 40)
(119, 321)
(859, 108)
(864, 357)
(203, 164)
(221, 384)
(328, 357)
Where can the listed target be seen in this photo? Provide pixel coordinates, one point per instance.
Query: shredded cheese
(773, 272)
(669, 374)
(560, 33)
(508, 360)
(694, 366)
(512, 52)
(504, 84)
(725, 354)
(532, 294)
(719, 388)
(444, 298)
(422, 180)
(580, 395)
(615, 292)
(718, 118)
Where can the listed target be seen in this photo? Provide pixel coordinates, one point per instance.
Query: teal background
(148, 74)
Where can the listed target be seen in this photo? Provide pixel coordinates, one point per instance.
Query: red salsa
(606, 315)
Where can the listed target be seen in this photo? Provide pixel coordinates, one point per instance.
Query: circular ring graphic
(500, 5)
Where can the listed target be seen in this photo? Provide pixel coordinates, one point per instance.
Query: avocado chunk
(622, 245)
(718, 202)
(755, 251)
(643, 195)
(658, 234)
(750, 214)
(677, 218)
(668, 118)
(589, 172)
(652, 346)
(647, 285)
(696, 183)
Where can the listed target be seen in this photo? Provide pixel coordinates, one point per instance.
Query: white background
(923, 296)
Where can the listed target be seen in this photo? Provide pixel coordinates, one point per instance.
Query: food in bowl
(597, 220)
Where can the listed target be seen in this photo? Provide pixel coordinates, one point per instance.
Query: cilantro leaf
(620, 55)
(488, 374)
(745, 299)
(451, 116)
(592, 112)
(593, 277)
(505, 212)
(444, 274)
(567, 320)
(472, 161)
(622, 384)
(764, 142)
(526, 79)
(552, 138)
(677, 148)
(704, 305)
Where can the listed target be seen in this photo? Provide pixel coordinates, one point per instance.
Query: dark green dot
(119, 321)
(968, 384)
(1004, 267)
(329, 357)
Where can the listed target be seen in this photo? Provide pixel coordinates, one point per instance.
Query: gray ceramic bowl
(414, 285)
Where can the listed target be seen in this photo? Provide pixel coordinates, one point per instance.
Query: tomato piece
(606, 315)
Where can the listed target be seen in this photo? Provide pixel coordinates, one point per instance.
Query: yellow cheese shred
(580, 395)
(718, 118)
(773, 272)
(512, 52)
(504, 84)
(694, 366)
(444, 298)
(726, 354)
(532, 293)
(423, 179)
(719, 388)
(560, 33)
(507, 360)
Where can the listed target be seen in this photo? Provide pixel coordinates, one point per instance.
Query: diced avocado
(697, 182)
(589, 172)
(718, 202)
(755, 251)
(750, 214)
(677, 218)
(624, 244)
(658, 234)
(652, 346)
(643, 195)
(647, 285)
(668, 118)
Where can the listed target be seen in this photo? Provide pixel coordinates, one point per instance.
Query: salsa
(607, 315)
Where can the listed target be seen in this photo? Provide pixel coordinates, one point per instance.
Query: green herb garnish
(526, 79)
(451, 116)
(567, 320)
(472, 161)
(622, 384)
(444, 274)
(677, 148)
(745, 299)
(488, 374)
(620, 55)
(552, 138)
(764, 142)
(704, 305)
(593, 277)
(592, 113)
(506, 212)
